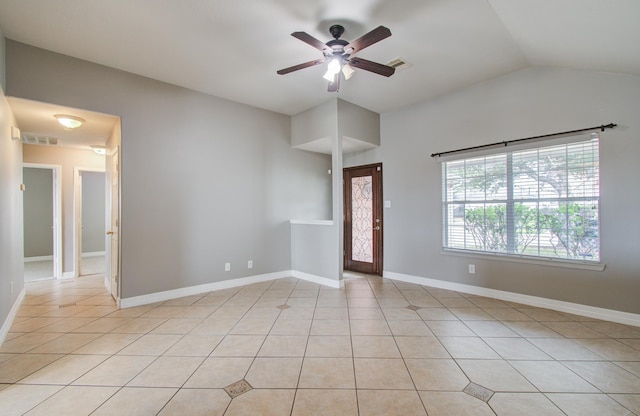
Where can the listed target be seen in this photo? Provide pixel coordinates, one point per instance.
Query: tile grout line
(424, 405)
(297, 388)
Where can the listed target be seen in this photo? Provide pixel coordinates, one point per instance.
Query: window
(541, 202)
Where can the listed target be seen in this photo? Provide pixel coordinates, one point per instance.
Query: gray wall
(204, 180)
(315, 123)
(314, 250)
(93, 211)
(11, 242)
(203, 186)
(38, 212)
(358, 123)
(526, 103)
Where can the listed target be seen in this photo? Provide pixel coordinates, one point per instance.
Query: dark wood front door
(363, 219)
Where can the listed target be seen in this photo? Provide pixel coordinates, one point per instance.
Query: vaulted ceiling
(232, 49)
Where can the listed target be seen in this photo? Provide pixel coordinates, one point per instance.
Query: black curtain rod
(602, 127)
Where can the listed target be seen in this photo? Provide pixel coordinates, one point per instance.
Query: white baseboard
(558, 305)
(38, 258)
(196, 290)
(6, 325)
(225, 284)
(337, 284)
(68, 275)
(93, 254)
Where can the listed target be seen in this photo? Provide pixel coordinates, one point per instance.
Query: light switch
(387, 204)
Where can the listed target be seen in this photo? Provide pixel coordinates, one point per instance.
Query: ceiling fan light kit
(340, 53)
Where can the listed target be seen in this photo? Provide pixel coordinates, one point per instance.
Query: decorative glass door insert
(362, 219)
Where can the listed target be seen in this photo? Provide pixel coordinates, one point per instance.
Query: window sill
(571, 264)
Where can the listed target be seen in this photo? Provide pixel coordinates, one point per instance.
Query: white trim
(69, 275)
(113, 212)
(557, 305)
(107, 283)
(12, 315)
(311, 222)
(93, 254)
(542, 261)
(38, 258)
(225, 284)
(196, 290)
(337, 284)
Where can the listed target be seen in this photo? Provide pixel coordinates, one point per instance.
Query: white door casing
(114, 187)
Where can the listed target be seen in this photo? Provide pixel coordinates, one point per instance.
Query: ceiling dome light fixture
(69, 122)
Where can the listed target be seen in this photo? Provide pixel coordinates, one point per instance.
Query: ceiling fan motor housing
(336, 31)
(336, 45)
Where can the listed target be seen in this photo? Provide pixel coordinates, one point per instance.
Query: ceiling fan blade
(307, 38)
(368, 39)
(371, 66)
(300, 66)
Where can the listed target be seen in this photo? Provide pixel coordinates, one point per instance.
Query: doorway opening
(42, 213)
(46, 141)
(363, 225)
(90, 217)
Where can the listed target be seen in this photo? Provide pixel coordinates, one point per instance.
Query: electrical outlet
(250, 264)
(227, 267)
(472, 268)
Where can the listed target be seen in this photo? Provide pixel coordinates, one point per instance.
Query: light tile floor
(290, 347)
(35, 271)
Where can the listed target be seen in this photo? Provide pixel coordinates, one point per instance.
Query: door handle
(110, 233)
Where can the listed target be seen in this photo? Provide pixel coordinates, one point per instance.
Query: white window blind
(540, 202)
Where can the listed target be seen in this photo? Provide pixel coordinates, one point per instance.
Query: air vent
(40, 140)
(399, 64)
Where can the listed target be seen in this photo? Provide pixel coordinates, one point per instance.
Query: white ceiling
(232, 49)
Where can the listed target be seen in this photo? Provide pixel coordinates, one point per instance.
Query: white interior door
(115, 222)
(57, 222)
(79, 227)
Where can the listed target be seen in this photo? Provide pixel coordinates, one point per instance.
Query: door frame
(113, 209)
(77, 216)
(378, 203)
(57, 214)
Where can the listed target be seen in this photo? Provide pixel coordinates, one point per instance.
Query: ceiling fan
(340, 53)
